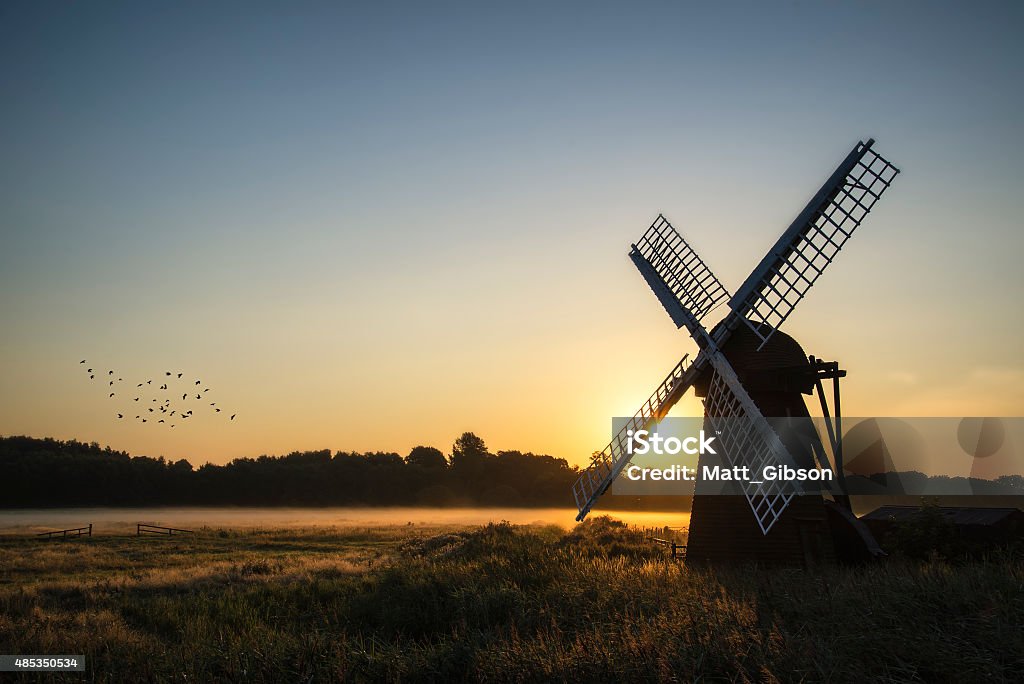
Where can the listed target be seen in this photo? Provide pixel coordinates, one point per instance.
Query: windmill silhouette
(748, 369)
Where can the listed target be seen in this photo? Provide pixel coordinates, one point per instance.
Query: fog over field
(121, 520)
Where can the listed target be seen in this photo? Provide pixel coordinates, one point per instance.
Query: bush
(927, 535)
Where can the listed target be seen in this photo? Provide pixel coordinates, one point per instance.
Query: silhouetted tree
(48, 472)
(426, 457)
(468, 452)
(469, 465)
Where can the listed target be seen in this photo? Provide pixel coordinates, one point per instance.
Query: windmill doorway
(812, 532)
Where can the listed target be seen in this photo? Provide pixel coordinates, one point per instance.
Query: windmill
(748, 369)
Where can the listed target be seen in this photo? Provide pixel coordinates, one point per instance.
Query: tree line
(48, 472)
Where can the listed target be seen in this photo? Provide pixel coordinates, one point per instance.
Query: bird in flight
(166, 407)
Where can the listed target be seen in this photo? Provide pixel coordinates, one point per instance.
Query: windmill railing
(607, 464)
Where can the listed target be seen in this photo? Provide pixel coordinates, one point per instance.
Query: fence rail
(678, 550)
(142, 528)
(73, 532)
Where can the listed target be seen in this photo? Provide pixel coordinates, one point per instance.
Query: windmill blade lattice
(809, 245)
(748, 439)
(606, 466)
(678, 276)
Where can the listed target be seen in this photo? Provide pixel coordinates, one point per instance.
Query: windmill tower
(751, 377)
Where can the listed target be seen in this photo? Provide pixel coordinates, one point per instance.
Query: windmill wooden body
(752, 379)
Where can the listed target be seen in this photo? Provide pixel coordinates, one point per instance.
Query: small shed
(975, 524)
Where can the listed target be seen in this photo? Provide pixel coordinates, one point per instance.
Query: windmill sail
(681, 280)
(748, 440)
(606, 465)
(811, 242)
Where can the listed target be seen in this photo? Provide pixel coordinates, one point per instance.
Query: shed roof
(958, 515)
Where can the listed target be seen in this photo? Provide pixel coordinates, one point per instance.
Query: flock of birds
(165, 408)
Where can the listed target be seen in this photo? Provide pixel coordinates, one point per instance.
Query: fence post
(90, 529)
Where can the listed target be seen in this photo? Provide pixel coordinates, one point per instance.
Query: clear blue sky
(374, 226)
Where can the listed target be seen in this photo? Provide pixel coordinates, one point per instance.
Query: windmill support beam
(825, 370)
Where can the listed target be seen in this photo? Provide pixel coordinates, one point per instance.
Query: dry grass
(498, 603)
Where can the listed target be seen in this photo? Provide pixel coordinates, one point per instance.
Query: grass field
(498, 603)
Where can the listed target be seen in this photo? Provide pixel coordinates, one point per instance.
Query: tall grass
(498, 603)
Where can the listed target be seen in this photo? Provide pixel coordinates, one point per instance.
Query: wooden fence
(141, 529)
(73, 532)
(678, 550)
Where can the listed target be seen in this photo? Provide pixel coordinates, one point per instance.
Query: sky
(367, 227)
